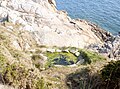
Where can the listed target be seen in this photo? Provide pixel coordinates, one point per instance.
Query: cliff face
(47, 25)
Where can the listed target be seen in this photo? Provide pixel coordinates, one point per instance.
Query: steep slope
(49, 26)
(37, 38)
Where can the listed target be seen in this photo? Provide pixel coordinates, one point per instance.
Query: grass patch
(69, 57)
(91, 57)
(55, 57)
(2, 61)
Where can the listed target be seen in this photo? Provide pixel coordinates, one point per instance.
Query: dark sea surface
(105, 13)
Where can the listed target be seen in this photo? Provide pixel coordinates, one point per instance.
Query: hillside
(43, 48)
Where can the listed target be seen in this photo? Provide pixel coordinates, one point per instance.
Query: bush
(91, 57)
(38, 61)
(111, 75)
(84, 79)
(17, 75)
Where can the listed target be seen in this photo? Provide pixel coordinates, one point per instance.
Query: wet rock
(119, 33)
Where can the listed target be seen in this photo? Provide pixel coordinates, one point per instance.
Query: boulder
(81, 60)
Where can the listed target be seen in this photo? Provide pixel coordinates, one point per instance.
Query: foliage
(40, 84)
(83, 79)
(36, 58)
(15, 53)
(17, 75)
(91, 57)
(111, 75)
(111, 71)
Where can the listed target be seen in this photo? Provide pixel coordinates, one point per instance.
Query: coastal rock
(111, 48)
(52, 2)
(37, 37)
(49, 26)
(100, 33)
(119, 33)
(58, 50)
(74, 50)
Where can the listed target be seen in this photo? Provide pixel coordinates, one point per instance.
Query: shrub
(36, 58)
(111, 75)
(83, 79)
(91, 57)
(17, 75)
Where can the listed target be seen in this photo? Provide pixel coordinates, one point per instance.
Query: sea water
(105, 13)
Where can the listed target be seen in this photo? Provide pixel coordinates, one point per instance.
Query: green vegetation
(88, 77)
(111, 75)
(60, 57)
(68, 57)
(83, 79)
(25, 72)
(36, 61)
(18, 75)
(15, 53)
(2, 61)
(91, 57)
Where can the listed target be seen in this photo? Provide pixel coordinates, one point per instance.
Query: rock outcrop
(49, 26)
(110, 48)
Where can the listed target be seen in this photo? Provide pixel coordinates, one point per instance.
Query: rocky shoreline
(110, 48)
(111, 43)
